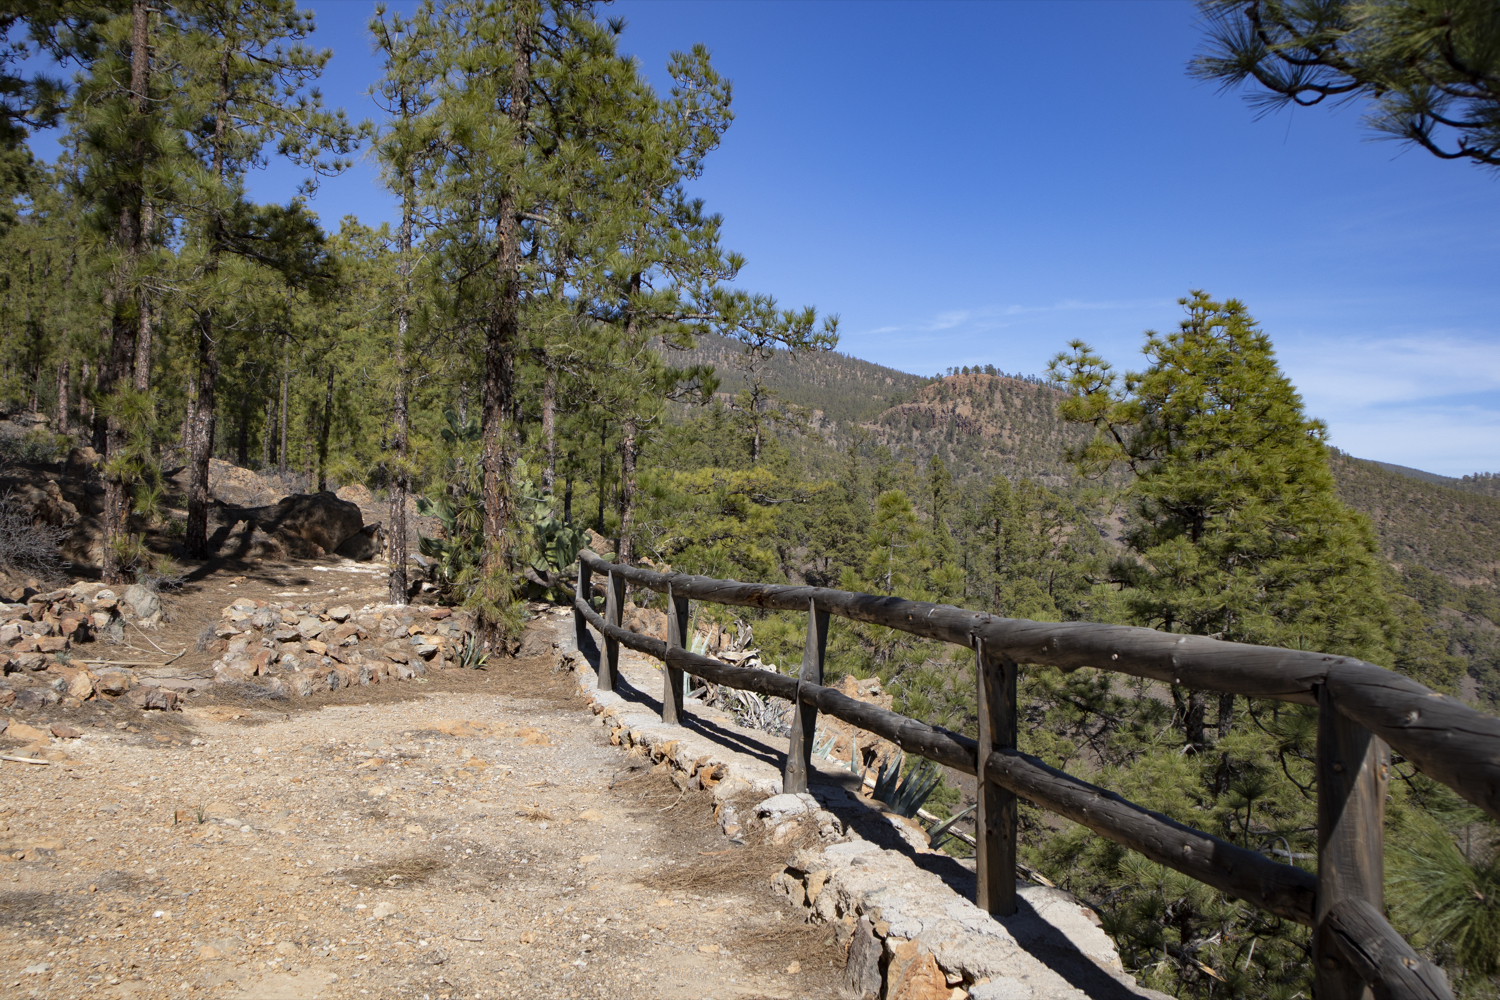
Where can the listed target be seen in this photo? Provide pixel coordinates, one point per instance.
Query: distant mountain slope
(841, 387)
(1451, 531)
(1484, 482)
(989, 424)
(983, 424)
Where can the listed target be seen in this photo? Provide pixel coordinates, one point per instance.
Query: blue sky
(979, 183)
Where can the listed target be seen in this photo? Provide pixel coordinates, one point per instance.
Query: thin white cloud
(1351, 372)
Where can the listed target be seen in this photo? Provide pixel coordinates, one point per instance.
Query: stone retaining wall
(297, 649)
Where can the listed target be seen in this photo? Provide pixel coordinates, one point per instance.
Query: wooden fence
(1363, 711)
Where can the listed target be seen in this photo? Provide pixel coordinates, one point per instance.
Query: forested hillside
(983, 424)
(837, 386)
(552, 337)
(1447, 530)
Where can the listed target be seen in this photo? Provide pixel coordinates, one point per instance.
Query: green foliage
(457, 553)
(1426, 67)
(1448, 892)
(905, 791)
(1237, 529)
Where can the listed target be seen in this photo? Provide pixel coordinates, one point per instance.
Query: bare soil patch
(470, 836)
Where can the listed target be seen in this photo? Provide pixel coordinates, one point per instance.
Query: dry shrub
(398, 873)
(27, 546)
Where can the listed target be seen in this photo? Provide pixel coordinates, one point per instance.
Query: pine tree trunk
(267, 432)
(281, 450)
(501, 334)
(143, 298)
(1226, 714)
(85, 411)
(201, 441)
(242, 445)
(1191, 707)
(324, 433)
(396, 540)
(603, 472)
(62, 398)
(549, 426)
(629, 447)
(124, 328)
(116, 522)
(190, 411)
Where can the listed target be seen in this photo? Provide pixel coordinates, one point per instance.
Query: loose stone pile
(297, 649)
(41, 643)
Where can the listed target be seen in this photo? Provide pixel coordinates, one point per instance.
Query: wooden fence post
(805, 717)
(995, 822)
(1353, 770)
(671, 694)
(583, 593)
(614, 604)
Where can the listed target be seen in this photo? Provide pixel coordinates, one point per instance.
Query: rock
(384, 910)
(1001, 989)
(31, 661)
(113, 683)
(776, 810)
(81, 685)
(341, 614)
(64, 732)
(319, 519)
(80, 462)
(862, 968)
(209, 953)
(51, 643)
(914, 974)
(365, 544)
(21, 731)
(141, 601)
(155, 699)
(34, 698)
(233, 485)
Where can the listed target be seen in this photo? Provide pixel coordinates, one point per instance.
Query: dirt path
(470, 836)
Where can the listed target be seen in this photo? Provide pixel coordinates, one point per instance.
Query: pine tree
(1235, 531)
(406, 91)
(245, 79)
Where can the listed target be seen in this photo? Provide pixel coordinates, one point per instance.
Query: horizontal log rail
(1362, 708)
(1444, 738)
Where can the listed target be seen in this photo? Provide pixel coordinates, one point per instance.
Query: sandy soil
(470, 836)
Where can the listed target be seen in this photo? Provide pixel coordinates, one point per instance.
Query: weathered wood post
(1353, 771)
(583, 593)
(995, 821)
(614, 604)
(805, 717)
(671, 694)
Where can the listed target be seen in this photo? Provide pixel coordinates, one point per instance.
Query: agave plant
(905, 793)
(456, 555)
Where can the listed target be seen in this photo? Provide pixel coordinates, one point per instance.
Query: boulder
(364, 545)
(81, 462)
(317, 519)
(141, 601)
(230, 484)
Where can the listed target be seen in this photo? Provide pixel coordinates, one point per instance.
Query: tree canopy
(1429, 69)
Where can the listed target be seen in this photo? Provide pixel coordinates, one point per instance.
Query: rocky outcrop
(230, 484)
(302, 526)
(46, 640)
(294, 650)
